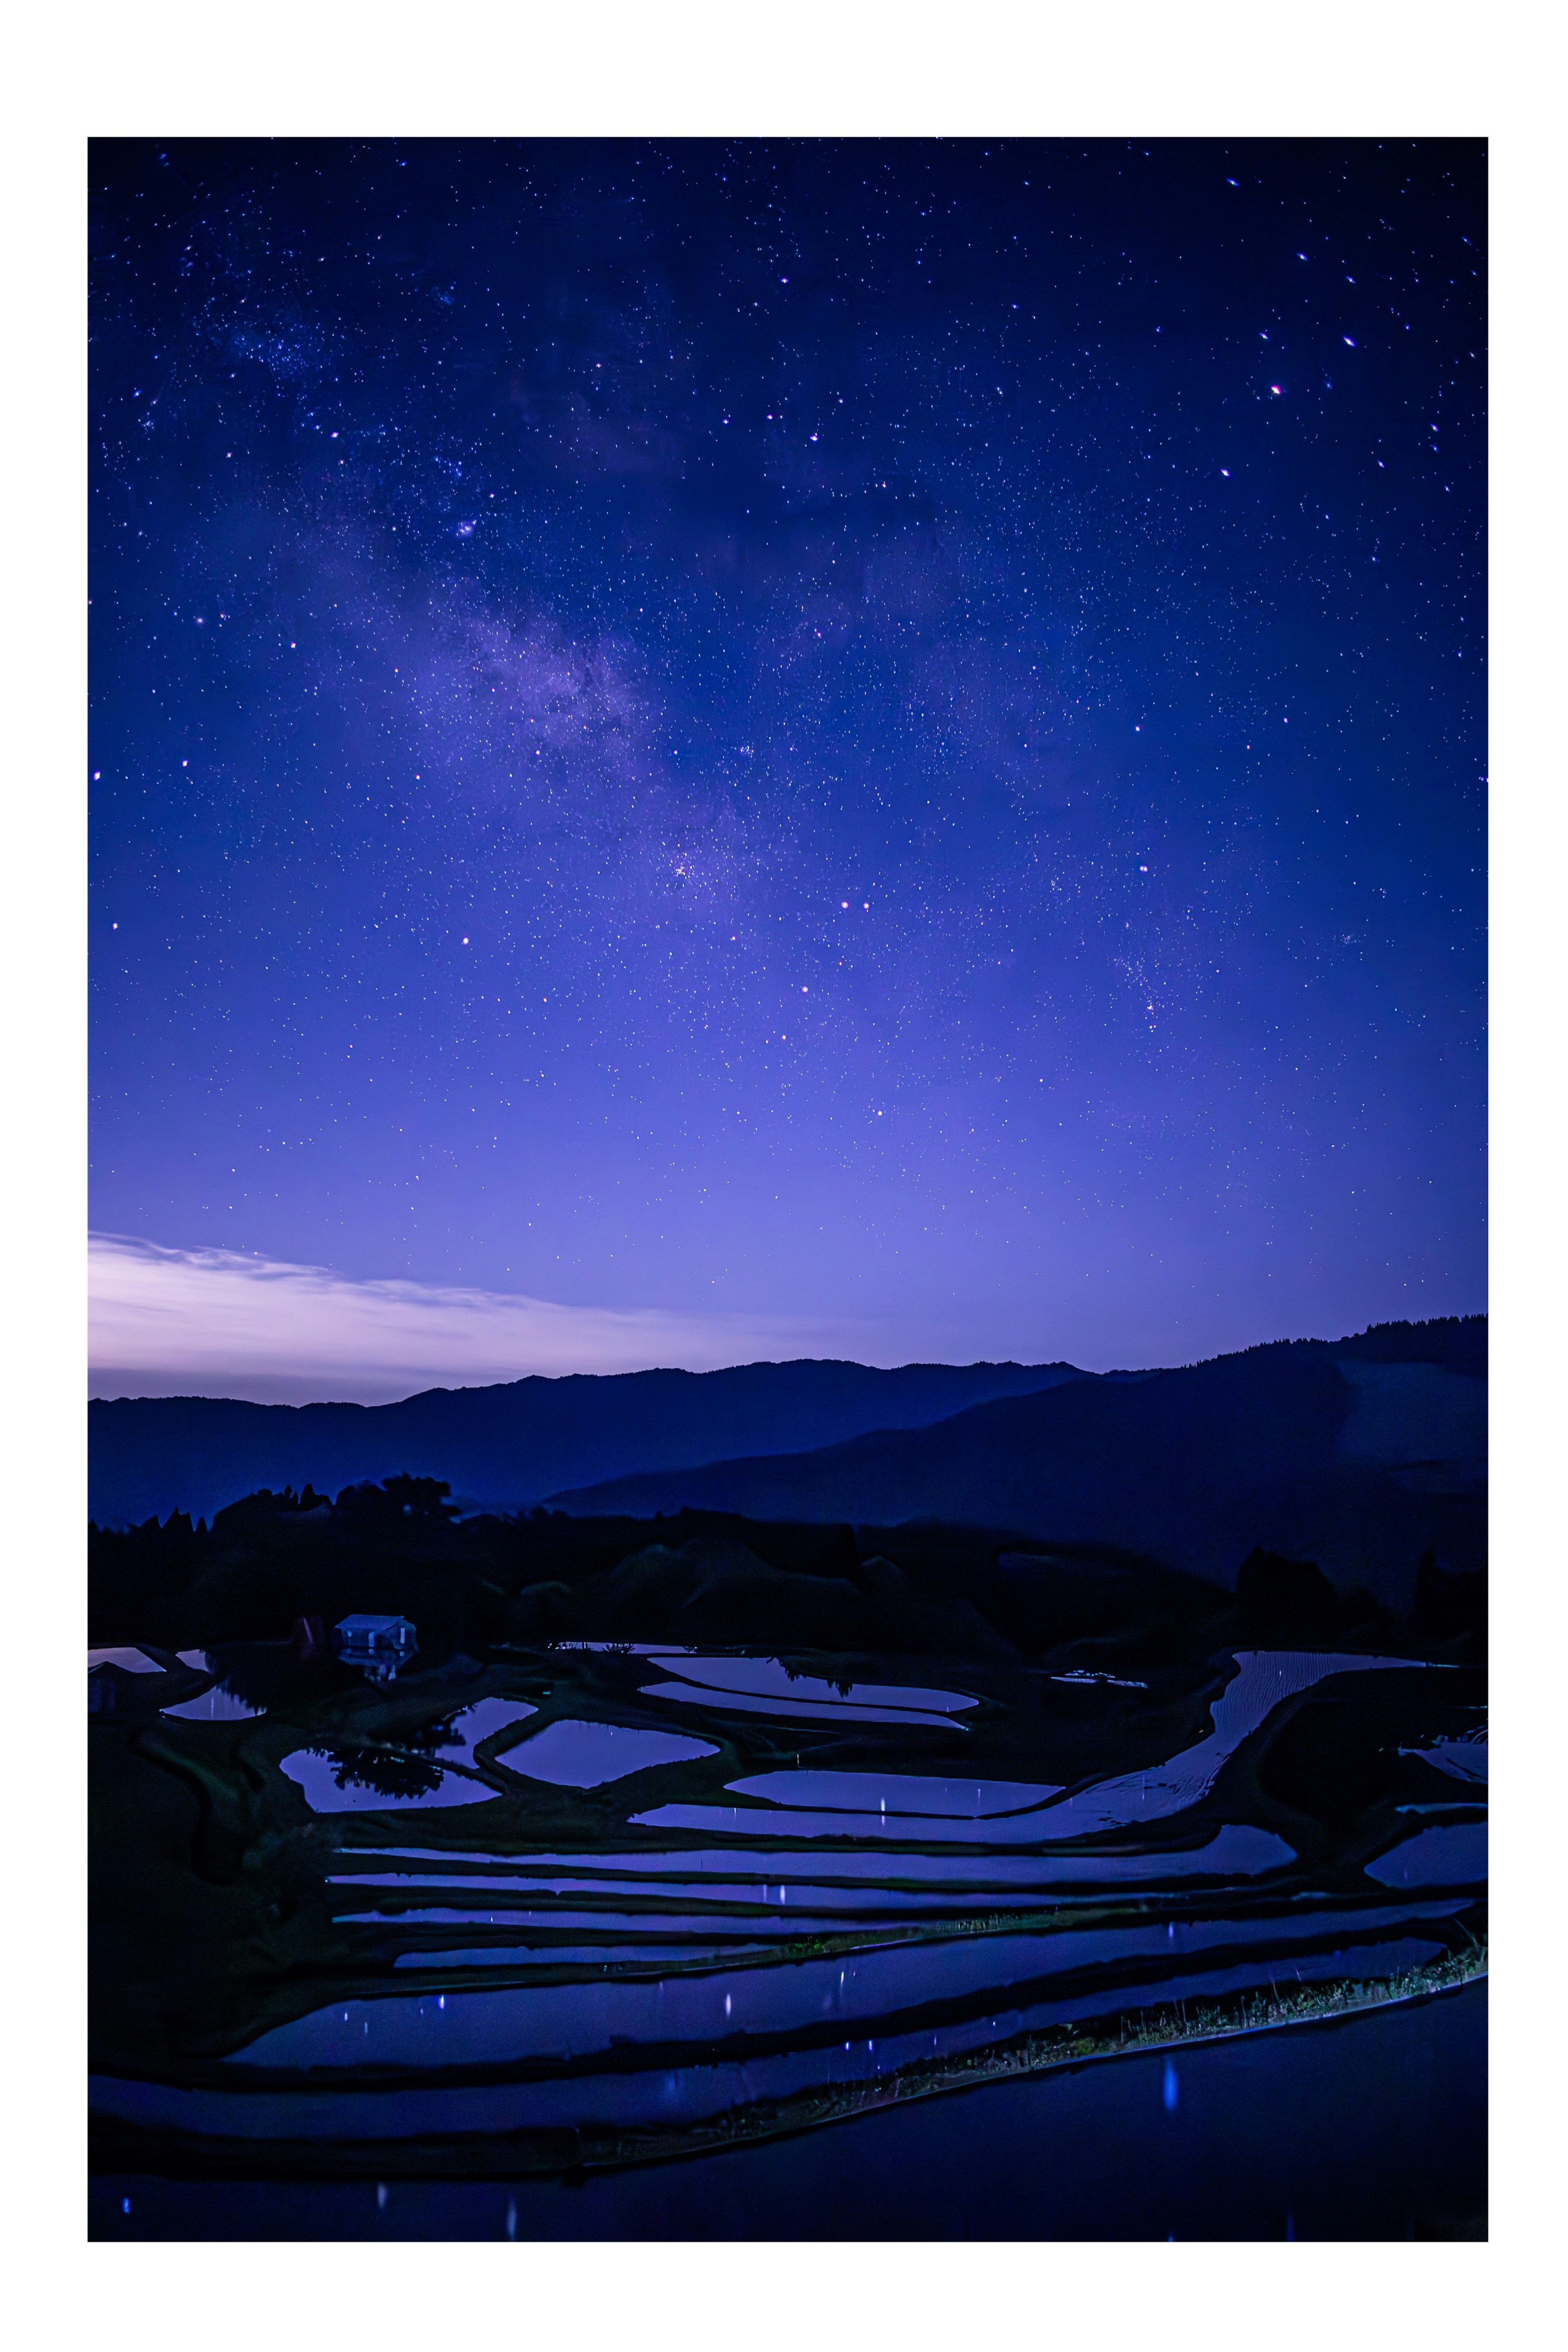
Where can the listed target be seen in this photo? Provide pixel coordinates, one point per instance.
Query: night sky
(885, 738)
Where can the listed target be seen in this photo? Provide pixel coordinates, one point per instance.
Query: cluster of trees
(273, 1559)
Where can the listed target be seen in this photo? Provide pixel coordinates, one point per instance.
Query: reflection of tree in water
(388, 1771)
(444, 1734)
(799, 1674)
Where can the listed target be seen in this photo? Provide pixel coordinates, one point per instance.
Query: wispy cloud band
(169, 1322)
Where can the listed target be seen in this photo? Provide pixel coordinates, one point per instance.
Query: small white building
(380, 1645)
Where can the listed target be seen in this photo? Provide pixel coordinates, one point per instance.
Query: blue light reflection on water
(572, 1753)
(865, 1793)
(214, 1705)
(779, 1927)
(1263, 1679)
(710, 2002)
(1450, 1854)
(1036, 1827)
(708, 2088)
(750, 1937)
(316, 1775)
(493, 2027)
(1237, 1850)
(1372, 2128)
(768, 1678)
(481, 1721)
(795, 1710)
(1461, 1760)
(542, 1955)
(793, 1903)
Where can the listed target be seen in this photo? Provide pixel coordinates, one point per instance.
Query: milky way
(890, 733)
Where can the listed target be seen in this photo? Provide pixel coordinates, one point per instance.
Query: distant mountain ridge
(505, 1447)
(1361, 1455)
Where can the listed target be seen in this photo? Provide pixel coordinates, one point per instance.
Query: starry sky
(878, 739)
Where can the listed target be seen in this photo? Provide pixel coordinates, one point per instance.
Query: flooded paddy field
(511, 1937)
(1386, 2139)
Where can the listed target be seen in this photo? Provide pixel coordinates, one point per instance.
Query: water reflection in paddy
(615, 1954)
(334, 1782)
(695, 1983)
(709, 2086)
(1263, 1679)
(1361, 2133)
(759, 1913)
(768, 1677)
(480, 1721)
(129, 1661)
(1110, 1682)
(572, 1754)
(755, 1939)
(790, 1908)
(579, 2020)
(719, 1821)
(1461, 1760)
(1452, 1855)
(796, 1710)
(1237, 1850)
(214, 1705)
(893, 1792)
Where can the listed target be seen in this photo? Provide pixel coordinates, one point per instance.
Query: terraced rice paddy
(656, 1902)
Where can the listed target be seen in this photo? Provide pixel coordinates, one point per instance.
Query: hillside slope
(1361, 1454)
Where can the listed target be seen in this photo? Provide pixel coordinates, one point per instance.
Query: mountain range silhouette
(507, 1447)
(1363, 1453)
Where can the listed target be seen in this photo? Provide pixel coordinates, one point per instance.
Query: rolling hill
(1361, 1455)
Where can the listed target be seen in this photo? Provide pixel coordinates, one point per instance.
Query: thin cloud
(210, 1322)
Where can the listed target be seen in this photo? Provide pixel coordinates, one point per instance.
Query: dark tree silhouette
(388, 1771)
(401, 1497)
